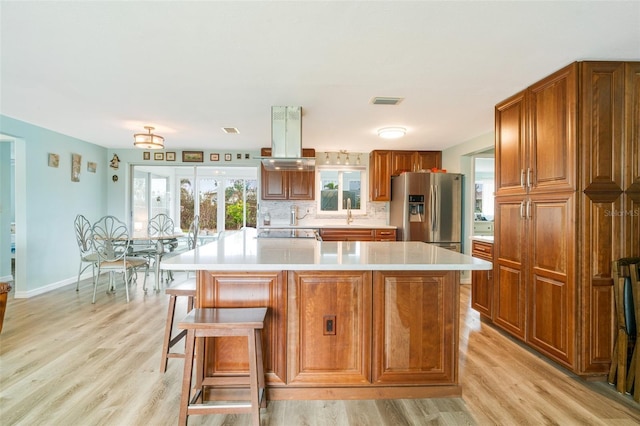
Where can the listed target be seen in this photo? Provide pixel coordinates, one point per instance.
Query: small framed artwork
(91, 167)
(171, 156)
(54, 160)
(158, 155)
(239, 156)
(76, 162)
(146, 155)
(214, 157)
(227, 157)
(192, 156)
(246, 156)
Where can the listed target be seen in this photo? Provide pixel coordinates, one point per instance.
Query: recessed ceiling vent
(378, 100)
(230, 130)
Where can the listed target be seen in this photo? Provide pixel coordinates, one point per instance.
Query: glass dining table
(160, 241)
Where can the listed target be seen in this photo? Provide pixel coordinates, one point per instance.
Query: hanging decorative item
(115, 162)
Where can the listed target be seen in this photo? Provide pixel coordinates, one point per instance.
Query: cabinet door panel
(428, 159)
(380, 176)
(482, 281)
(511, 139)
(301, 185)
(552, 321)
(415, 322)
(339, 353)
(244, 290)
(632, 156)
(552, 143)
(509, 254)
(274, 185)
(402, 161)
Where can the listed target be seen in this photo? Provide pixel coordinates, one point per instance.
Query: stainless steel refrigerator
(428, 207)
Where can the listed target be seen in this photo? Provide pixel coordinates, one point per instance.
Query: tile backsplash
(377, 214)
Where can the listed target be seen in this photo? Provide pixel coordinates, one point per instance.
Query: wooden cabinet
(384, 235)
(343, 334)
(566, 191)
(330, 327)
(247, 290)
(357, 234)
(384, 164)
(482, 281)
(414, 161)
(412, 348)
(380, 176)
(287, 185)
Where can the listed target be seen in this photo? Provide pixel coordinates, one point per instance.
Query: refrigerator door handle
(434, 201)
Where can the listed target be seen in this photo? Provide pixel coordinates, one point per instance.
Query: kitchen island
(346, 320)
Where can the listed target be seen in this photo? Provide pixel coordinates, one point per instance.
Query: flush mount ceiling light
(392, 132)
(148, 140)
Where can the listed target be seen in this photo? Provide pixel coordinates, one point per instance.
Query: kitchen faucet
(349, 216)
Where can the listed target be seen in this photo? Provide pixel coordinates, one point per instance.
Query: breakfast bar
(346, 320)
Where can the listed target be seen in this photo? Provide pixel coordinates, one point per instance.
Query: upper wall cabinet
(414, 161)
(536, 137)
(288, 185)
(383, 164)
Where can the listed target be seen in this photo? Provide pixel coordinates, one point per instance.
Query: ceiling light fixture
(148, 140)
(392, 132)
(326, 158)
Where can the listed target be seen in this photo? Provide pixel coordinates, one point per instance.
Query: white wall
(459, 159)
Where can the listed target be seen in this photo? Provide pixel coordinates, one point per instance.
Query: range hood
(286, 141)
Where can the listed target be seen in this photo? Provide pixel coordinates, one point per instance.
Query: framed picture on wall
(76, 162)
(158, 155)
(54, 160)
(92, 166)
(171, 156)
(227, 157)
(192, 156)
(146, 155)
(214, 157)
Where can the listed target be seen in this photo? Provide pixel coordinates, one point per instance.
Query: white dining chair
(88, 257)
(111, 243)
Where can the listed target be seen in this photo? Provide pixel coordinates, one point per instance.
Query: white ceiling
(100, 71)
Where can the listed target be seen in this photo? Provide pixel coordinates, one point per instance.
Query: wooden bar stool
(222, 322)
(188, 290)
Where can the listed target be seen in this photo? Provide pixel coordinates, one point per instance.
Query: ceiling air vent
(386, 101)
(230, 130)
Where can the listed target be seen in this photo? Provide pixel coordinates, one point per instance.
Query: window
(224, 198)
(341, 188)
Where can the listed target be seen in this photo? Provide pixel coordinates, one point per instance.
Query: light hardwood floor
(64, 361)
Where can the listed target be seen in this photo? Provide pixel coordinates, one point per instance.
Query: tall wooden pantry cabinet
(567, 205)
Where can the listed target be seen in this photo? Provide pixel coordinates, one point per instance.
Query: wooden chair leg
(186, 378)
(167, 333)
(614, 362)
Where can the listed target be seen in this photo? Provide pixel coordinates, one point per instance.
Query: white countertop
(484, 238)
(242, 251)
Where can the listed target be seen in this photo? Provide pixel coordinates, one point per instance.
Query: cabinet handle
(522, 178)
(528, 177)
(522, 209)
(529, 209)
(489, 274)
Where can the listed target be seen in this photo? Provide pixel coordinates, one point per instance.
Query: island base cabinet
(415, 322)
(330, 319)
(228, 355)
